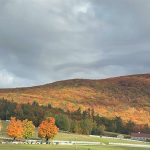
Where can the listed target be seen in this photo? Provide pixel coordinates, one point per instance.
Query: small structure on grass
(120, 136)
(140, 136)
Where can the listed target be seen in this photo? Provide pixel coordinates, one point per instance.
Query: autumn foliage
(28, 129)
(126, 97)
(1, 125)
(48, 129)
(15, 128)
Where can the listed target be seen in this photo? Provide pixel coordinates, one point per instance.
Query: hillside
(127, 96)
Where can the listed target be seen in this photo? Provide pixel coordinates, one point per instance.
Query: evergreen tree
(63, 122)
(86, 126)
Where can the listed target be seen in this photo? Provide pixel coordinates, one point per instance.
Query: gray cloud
(43, 41)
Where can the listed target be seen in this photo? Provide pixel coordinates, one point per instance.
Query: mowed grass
(70, 137)
(58, 147)
(76, 137)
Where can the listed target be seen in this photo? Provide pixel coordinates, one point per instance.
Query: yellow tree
(15, 128)
(28, 129)
(48, 129)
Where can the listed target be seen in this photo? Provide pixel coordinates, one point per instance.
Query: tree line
(78, 121)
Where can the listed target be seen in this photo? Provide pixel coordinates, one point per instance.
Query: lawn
(58, 147)
(70, 137)
(76, 137)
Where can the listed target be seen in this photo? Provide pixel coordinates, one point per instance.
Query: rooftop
(145, 135)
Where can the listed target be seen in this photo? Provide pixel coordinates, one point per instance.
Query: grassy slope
(49, 147)
(74, 137)
(128, 97)
(69, 137)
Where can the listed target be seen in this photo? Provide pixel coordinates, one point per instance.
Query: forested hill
(127, 96)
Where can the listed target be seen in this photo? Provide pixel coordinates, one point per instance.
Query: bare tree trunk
(46, 140)
(14, 138)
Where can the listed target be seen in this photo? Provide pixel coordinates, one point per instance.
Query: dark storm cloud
(43, 41)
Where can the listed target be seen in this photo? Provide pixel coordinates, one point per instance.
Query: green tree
(130, 127)
(119, 124)
(86, 126)
(75, 127)
(63, 122)
(98, 130)
(146, 128)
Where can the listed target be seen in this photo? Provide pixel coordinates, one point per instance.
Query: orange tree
(1, 125)
(47, 129)
(15, 128)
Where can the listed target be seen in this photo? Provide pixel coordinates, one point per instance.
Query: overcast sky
(42, 41)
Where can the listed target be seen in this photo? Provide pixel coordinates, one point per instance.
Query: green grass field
(57, 147)
(71, 137)
(74, 137)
